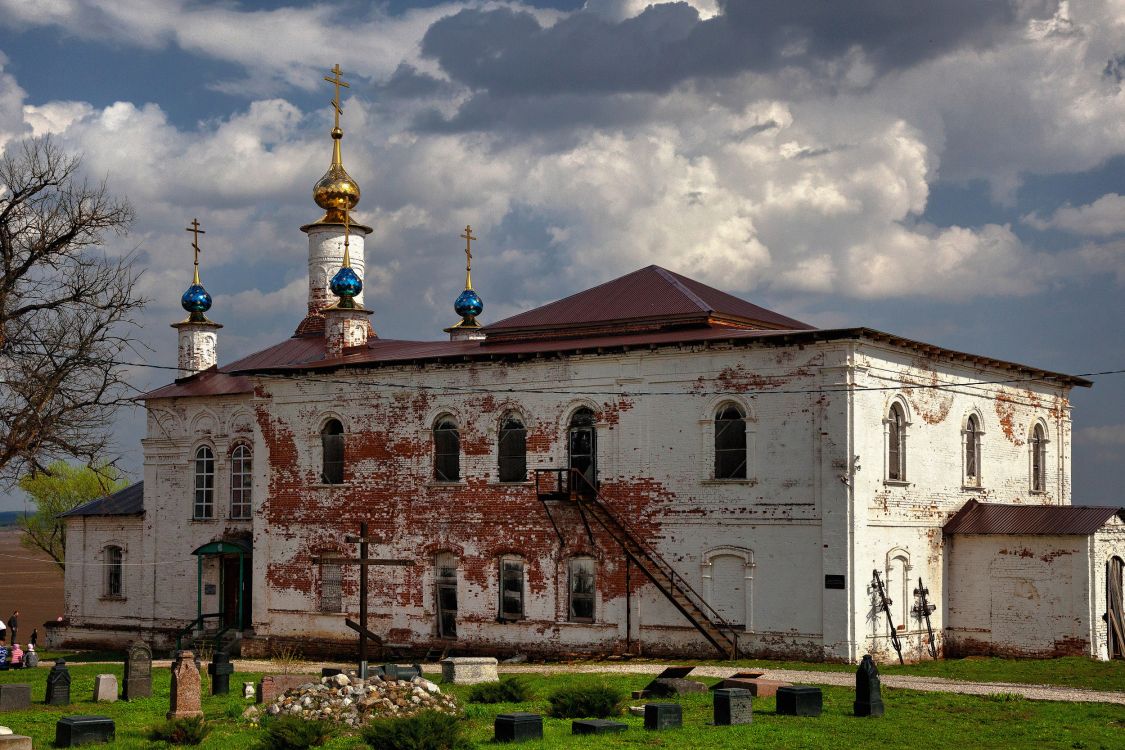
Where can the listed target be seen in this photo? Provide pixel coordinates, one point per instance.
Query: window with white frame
(114, 562)
(730, 442)
(972, 435)
(204, 506)
(582, 589)
(1038, 447)
(241, 465)
(896, 444)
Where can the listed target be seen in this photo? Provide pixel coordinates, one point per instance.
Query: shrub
(598, 701)
(190, 731)
(294, 733)
(511, 690)
(428, 730)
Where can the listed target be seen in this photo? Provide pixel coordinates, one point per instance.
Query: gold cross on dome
(337, 81)
(468, 237)
(195, 232)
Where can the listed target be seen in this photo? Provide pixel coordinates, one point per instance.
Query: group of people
(12, 656)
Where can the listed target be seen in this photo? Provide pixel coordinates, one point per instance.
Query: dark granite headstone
(868, 694)
(220, 670)
(799, 700)
(663, 716)
(733, 706)
(517, 727)
(15, 697)
(58, 684)
(72, 731)
(597, 726)
(138, 672)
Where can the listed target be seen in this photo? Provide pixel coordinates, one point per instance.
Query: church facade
(649, 466)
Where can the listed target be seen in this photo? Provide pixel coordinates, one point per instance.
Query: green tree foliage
(60, 488)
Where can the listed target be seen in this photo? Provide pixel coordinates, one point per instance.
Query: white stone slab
(105, 688)
(469, 670)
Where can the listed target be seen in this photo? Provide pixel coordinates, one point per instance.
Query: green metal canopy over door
(234, 582)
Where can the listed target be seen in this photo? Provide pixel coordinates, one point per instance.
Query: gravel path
(841, 679)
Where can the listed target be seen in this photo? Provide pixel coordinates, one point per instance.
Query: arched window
(204, 483)
(332, 452)
(1038, 445)
(582, 589)
(513, 450)
(582, 449)
(730, 443)
(241, 465)
(898, 589)
(113, 565)
(447, 450)
(972, 451)
(511, 587)
(896, 444)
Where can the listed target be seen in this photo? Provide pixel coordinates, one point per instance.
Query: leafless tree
(66, 310)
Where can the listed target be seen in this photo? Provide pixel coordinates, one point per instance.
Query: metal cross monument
(363, 561)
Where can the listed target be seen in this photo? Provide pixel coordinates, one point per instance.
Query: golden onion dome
(336, 191)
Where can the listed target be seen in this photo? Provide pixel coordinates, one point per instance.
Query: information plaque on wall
(209, 588)
(834, 582)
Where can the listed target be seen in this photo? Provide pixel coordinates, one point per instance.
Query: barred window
(513, 450)
(204, 483)
(447, 450)
(582, 589)
(511, 588)
(896, 444)
(113, 565)
(331, 587)
(241, 464)
(730, 443)
(332, 449)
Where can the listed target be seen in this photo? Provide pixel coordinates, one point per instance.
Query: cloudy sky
(952, 172)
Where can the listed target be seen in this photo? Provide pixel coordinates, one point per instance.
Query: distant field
(8, 518)
(29, 582)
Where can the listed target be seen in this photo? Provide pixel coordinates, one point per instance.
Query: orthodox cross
(363, 561)
(195, 232)
(468, 237)
(337, 81)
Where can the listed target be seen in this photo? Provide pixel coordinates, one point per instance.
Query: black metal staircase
(570, 485)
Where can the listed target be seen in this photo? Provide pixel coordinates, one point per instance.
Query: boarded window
(445, 576)
(331, 587)
(896, 444)
(582, 589)
(1038, 459)
(730, 443)
(972, 451)
(204, 483)
(113, 566)
(332, 451)
(511, 588)
(513, 450)
(240, 475)
(447, 451)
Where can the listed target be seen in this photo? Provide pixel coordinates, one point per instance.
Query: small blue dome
(346, 283)
(469, 304)
(196, 299)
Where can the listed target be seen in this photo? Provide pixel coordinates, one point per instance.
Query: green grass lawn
(913, 719)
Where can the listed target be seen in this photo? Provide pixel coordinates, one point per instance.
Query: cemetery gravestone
(138, 671)
(517, 727)
(15, 697)
(597, 726)
(868, 694)
(58, 684)
(72, 731)
(469, 670)
(733, 706)
(185, 698)
(220, 670)
(663, 716)
(105, 688)
(10, 741)
(248, 691)
(799, 700)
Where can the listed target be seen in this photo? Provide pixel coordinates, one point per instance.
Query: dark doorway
(230, 588)
(1115, 611)
(446, 578)
(583, 449)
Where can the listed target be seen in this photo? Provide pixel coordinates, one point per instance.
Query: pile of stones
(351, 701)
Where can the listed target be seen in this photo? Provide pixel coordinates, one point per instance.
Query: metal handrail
(676, 579)
(197, 622)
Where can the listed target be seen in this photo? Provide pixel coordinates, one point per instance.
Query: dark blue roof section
(127, 502)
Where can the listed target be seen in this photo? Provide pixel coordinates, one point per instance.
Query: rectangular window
(333, 469)
(240, 475)
(331, 587)
(511, 588)
(204, 506)
(446, 577)
(113, 571)
(582, 589)
(513, 452)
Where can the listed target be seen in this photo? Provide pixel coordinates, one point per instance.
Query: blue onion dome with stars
(346, 285)
(196, 301)
(468, 304)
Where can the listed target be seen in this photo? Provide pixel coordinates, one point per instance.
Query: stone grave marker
(185, 698)
(138, 671)
(72, 731)
(10, 741)
(58, 684)
(15, 697)
(517, 727)
(799, 700)
(663, 716)
(220, 670)
(733, 706)
(868, 694)
(105, 688)
(469, 670)
(597, 726)
(248, 691)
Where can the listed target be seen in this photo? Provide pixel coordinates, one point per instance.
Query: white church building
(649, 466)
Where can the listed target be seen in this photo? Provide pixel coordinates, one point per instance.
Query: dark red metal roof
(650, 295)
(998, 518)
